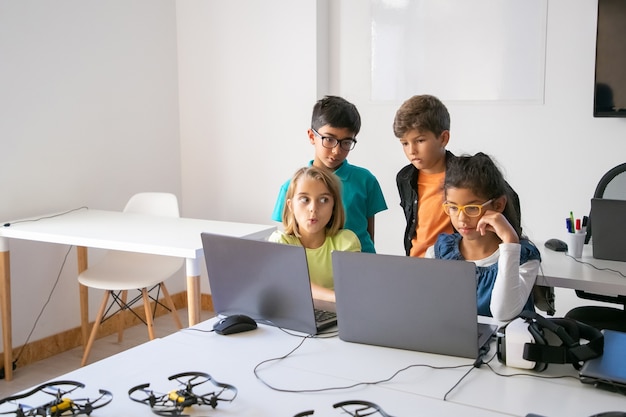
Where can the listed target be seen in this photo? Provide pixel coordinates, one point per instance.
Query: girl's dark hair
(336, 112)
(480, 174)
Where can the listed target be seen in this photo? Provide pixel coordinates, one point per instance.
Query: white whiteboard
(478, 50)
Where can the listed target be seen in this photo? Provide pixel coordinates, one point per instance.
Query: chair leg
(121, 319)
(94, 329)
(84, 313)
(170, 304)
(146, 306)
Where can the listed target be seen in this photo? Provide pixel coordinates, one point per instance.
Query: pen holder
(575, 242)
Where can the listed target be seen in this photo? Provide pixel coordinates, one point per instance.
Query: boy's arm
(370, 227)
(277, 214)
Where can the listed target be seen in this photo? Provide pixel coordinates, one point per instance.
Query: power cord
(14, 364)
(8, 224)
(595, 267)
(336, 388)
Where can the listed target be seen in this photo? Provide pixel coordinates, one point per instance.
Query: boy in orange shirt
(422, 124)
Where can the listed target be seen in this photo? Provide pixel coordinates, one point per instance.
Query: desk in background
(321, 363)
(132, 232)
(561, 270)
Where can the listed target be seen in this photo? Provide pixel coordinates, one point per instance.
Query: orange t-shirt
(431, 219)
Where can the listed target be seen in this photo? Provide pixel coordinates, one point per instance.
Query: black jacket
(406, 180)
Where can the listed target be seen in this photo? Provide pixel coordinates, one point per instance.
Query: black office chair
(611, 185)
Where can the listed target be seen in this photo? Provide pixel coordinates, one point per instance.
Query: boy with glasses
(335, 124)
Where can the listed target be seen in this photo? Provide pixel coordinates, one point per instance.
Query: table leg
(193, 291)
(82, 258)
(5, 307)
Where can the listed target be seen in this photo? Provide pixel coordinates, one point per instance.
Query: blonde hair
(331, 182)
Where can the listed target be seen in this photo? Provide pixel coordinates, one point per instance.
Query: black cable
(42, 308)
(45, 217)
(345, 387)
(593, 266)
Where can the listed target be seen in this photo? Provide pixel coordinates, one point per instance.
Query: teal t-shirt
(362, 198)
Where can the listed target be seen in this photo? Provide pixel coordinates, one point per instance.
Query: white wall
(88, 117)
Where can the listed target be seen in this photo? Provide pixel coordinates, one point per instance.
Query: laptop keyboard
(324, 315)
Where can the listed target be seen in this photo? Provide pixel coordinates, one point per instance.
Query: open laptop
(264, 280)
(608, 229)
(609, 370)
(426, 305)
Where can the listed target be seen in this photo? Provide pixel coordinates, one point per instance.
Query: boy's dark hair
(336, 112)
(480, 174)
(423, 112)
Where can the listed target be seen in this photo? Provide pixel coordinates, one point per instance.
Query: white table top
(561, 270)
(330, 362)
(158, 235)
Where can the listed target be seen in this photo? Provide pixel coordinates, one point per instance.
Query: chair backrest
(158, 204)
(612, 185)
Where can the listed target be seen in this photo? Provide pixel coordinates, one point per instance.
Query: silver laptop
(426, 305)
(608, 234)
(264, 280)
(609, 370)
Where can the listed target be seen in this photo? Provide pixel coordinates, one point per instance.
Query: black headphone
(532, 341)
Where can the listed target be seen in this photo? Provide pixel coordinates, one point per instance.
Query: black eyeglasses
(329, 142)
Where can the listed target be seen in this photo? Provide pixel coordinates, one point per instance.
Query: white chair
(118, 272)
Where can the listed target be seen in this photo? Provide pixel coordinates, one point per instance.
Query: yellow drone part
(174, 396)
(64, 405)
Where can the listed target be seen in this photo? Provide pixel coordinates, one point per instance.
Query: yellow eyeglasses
(470, 210)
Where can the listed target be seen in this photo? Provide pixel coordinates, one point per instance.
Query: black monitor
(610, 70)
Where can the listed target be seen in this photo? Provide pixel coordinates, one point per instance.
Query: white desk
(560, 270)
(84, 228)
(323, 363)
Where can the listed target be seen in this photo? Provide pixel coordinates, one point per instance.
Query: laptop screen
(608, 229)
(264, 280)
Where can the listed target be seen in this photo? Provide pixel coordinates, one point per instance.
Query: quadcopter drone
(354, 408)
(62, 405)
(174, 402)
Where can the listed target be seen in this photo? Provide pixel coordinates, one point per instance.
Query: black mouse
(556, 245)
(236, 323)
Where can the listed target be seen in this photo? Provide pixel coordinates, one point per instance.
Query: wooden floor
(47, 369)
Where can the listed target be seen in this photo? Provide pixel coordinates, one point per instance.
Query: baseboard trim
(69, 339)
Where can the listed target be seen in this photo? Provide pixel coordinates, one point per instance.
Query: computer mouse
(236, 323)
(556, 245)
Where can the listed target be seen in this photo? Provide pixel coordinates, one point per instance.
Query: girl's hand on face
(493, 221)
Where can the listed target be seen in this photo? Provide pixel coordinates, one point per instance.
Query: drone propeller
(62, 403)
(174, 402)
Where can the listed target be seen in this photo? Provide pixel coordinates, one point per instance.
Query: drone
(354, 408)
(174, 402)
(62, 405)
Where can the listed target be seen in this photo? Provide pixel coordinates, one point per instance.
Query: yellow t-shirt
(431, 219)
(319, 259)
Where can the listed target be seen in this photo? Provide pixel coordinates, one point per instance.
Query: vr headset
(532, 341)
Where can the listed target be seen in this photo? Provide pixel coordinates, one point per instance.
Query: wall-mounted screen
(610, 77)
